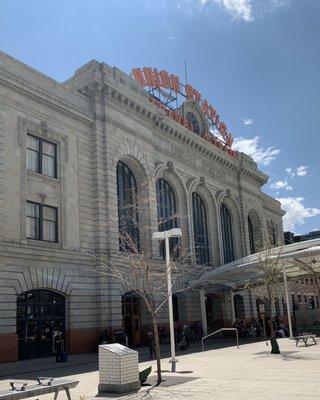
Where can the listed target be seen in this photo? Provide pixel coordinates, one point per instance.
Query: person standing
(151, 343)
(59, 346)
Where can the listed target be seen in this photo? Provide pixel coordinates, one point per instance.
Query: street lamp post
(159, 236)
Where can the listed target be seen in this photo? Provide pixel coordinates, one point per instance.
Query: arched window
(200, 230)
(227, 235)
(251, 237)
(127, 209)
(239, 307)
(167, 214)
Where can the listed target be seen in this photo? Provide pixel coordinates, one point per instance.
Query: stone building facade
(60, 144)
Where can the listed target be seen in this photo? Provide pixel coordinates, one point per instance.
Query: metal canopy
(295, 258)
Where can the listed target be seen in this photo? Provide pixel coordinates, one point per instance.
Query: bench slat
(37, 390)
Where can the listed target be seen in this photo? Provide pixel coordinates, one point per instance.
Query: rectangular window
(42, 222)
(42, 156)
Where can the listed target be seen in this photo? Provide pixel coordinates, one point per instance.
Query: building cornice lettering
(163, 124)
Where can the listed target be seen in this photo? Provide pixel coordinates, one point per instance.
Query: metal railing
(218, 331)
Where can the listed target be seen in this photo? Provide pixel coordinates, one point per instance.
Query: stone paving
(228, 373)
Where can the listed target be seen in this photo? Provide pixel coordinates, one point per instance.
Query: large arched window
(251, 237)
(227, 235)
(167, 214)
(127, 209)
(200, 229)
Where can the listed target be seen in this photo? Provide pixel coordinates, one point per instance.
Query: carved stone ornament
(202, 181)
(170, 166)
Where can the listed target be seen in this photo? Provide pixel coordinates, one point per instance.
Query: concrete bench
(304, 337)
(21, 390)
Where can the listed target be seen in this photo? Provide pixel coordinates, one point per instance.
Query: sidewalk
(228, 373)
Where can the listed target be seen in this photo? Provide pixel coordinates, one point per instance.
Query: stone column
(233, 313)
(203, 311)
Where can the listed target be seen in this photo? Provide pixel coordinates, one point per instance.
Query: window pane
(33, 143)
(48, 166)
(49, 213)
(33, 231)
(127, 209)
(48, 148)
(49, 231)
(33, 160)
(33, 210)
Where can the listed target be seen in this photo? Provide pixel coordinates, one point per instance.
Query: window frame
(201, 241)
(251, 236)
(228, 243)
(41, 220)
(41, 156)
(167, 215)
(130, 180)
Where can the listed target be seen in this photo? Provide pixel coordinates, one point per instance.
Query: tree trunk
(273, 341)
(157, 349)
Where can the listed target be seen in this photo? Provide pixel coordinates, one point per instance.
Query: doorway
(40, 316)
(131, 312)
(214, 311)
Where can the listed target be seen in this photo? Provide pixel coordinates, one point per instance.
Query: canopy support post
(203, 312)
(287, 303)
(233, 313)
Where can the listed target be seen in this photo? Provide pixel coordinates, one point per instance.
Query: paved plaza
(227, 373)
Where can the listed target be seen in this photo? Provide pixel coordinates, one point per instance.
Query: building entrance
(214, 312)
(40, 316)
(131, 312)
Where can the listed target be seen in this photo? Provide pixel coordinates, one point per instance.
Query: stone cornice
(164, 124)
(41, 96)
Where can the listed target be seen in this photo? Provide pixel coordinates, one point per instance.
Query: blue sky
(256, 61)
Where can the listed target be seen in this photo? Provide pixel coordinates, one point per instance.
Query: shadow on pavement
(83, 363)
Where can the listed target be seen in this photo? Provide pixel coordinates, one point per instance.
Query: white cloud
(239, 9)
(296, 212)
(251, 147)
(281, 185)
(290, 173)
(245, 9)
(302, 170)
(247, 121)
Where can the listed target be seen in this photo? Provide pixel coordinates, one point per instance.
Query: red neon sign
(151, 77)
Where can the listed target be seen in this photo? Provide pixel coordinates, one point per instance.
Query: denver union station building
(69, 153)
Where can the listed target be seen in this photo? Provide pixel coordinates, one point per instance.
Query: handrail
(220, 330)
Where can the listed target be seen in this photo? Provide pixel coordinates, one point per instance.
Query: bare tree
(141, 269)
(268, 285)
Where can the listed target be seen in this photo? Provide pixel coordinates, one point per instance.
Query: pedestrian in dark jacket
(151, 343)
(59, 346)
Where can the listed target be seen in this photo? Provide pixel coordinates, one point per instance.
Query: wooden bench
(21, 390)
(304, 337)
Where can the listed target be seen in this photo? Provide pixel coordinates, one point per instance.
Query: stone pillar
(203, 311)
(233, 313)
(118, 369)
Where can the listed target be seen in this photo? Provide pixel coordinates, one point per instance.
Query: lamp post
(159, 236)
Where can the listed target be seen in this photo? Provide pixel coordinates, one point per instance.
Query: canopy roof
(296, 259)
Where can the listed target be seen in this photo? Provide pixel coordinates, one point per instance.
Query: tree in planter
(139, 269)
(268, 286)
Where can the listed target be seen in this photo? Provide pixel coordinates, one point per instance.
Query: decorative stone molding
(170, 166)
(41, 96)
